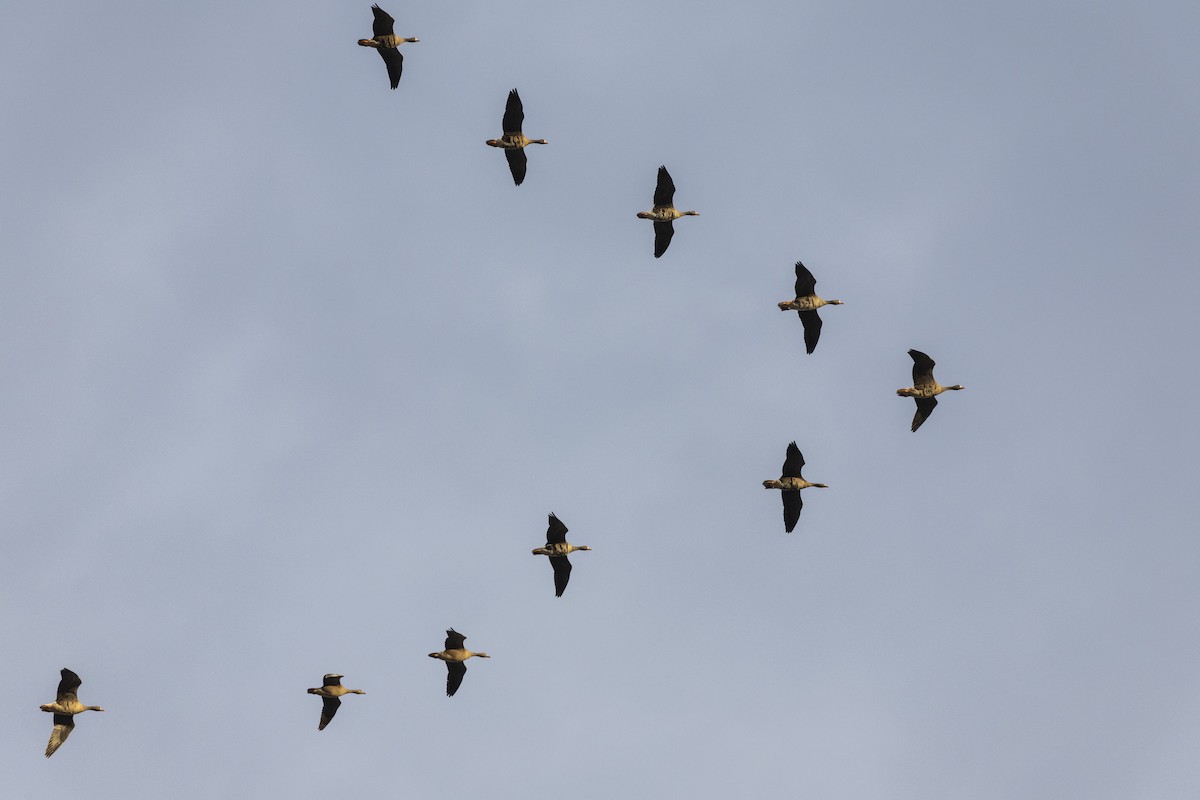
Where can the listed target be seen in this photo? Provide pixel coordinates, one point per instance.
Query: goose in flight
(806, 304)
(330, 691)
(387, 43)
(664, 212)
(64, 708)
(924, 389)
(791, 483)
(558, 549)
(454, 655)
(513, 141)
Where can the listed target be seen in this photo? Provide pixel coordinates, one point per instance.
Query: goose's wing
(395, 63)
(922, 368)
(331, 680)
(384, 24)
(329, 707)
(925, 406)
(792, 503)
(794, 463)
(663, 231)
(806, 284)
(514, 113)
(557, 532)
(455, 670)
(454, 640)
(516, 163)
(63, 725)
(664, 192)
(562, 574)
(68, 685)
(812, 329)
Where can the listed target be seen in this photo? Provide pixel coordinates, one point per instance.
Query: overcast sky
(292, 374)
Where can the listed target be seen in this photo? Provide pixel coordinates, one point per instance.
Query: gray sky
(293, 374)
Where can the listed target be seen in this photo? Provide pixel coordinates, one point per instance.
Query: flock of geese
(924, 392)
(331, 691)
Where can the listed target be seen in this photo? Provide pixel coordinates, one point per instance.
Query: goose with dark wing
(331, 691)
(806, 304)
(558, 549)
(664, 213)
(387, 43)
(925, 389)
(64, 708)
(791, 483)
(513, 141)
(454, 655)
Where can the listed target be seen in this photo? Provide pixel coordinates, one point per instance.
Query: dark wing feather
(562, 574)
(663, 231)
(794, 463)
(792, 503)
(395, 63)
(455, 670)
(812, 329)
(384, 23)
(806, 284)
(516, 164)
(329, 707)
(68, 685)
(922, 367)
(63, 725)
(664, 192)
(557, 532)
(514, 113)
(454, 640)
(925, 406)
(331, 680)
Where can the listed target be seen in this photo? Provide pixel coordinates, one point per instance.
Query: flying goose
(791, 483)
(454, 655)
(513, 141)
(924, 389)
(64, 709)
(387, 43)
(330, 691)
(806, 304)
(664, 212)
(558, 550)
